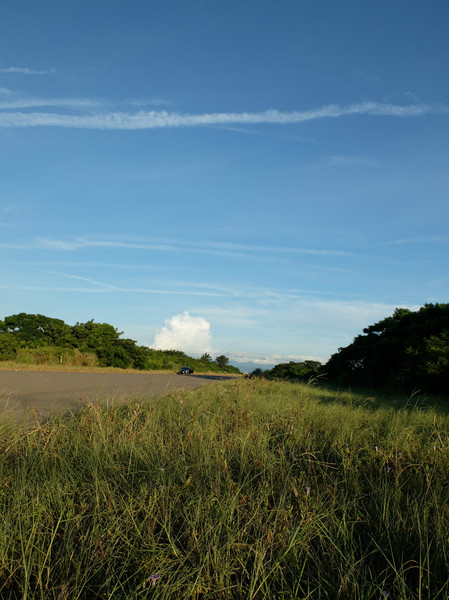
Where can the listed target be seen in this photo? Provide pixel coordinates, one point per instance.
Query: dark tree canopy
(408, 350)
(305, 371)
(222, 361)
(302, 371)
(37, 330)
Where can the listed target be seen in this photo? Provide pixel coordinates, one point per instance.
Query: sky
(259, 179)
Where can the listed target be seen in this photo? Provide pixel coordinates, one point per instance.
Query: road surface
(22, 392)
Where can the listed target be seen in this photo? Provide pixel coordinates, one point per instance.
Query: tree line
(305, 371)
(37, 338)
(405, 352)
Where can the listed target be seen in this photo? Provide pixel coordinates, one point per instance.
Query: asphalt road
(22, 392)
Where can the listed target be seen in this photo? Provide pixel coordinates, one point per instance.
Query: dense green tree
(139, 355)
(431, 361)
(257, 373)
(104, 340)
(410, 349)
(93, 335)
(8, 346)
(222, 361)
(206, 358)
(114, 356)
(37, 330)
(303, 371)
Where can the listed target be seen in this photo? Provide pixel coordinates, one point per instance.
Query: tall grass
(248, 489)
(52, 355)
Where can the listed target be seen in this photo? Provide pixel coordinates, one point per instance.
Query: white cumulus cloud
(183, 332)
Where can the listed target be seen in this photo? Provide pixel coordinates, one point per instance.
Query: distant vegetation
(249, 489)
(306, 371)
(37, 339)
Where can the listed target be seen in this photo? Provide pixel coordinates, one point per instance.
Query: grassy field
(10, 365)
(245, 489)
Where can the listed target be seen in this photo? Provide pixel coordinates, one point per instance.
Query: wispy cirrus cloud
(100, 284)
(231, 250)
(160, 287)
(163, 119)
(235, 250)
(98, 288)
(13, 103)
(26, 71)
(420, 239)
(349, 161)
(13, 100)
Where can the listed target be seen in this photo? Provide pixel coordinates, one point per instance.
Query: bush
(52, 355)
(8, 346)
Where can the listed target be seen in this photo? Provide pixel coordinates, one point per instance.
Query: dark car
(185, 371)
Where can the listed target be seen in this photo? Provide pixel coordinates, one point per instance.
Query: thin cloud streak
(223, 248)
(105, 290)
(106, 286)
(56, 102)
(208, 289)
(26, 71)
(234, 315)
(80, 244)
(163, 119)
(348, 161)
(421, 239)
(265, 298)
(183, 285)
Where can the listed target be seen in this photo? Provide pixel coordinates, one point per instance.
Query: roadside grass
(9, 365)
(244, 489)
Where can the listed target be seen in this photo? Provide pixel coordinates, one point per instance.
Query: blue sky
(259, 179)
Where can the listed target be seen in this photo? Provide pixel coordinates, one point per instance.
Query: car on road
(185, 371)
